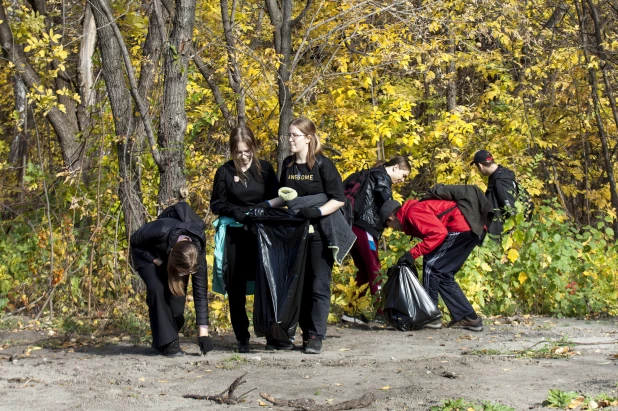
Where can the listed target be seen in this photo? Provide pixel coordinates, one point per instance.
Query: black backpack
(355, 191)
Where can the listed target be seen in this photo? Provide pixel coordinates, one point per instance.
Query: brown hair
(184, 257)
(315, 147)
(243, 134)
(400, 161)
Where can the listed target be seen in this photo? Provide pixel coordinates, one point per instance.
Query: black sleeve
(145, 239)
(218, 201)
(200, 290)
(382, 191)
(331, 180)
(505, 195)
(271, 184)
(181, 211)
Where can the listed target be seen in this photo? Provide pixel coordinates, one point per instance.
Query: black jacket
(378, 191)
(501, 193)
(229, 194)
(470, 200)
(156, 239)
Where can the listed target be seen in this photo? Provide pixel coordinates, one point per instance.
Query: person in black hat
(502, 190)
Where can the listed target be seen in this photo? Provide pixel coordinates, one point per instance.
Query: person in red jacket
(446, 243)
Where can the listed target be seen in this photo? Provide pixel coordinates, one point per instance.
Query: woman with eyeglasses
(239, 185)
(165, 252)
(310, 173)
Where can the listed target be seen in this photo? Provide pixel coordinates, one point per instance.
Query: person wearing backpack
(367, 199)
(311, 174)
(447, 239)
(239, 185)
(502, 190)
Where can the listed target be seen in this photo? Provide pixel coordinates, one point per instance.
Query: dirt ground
(405, 370)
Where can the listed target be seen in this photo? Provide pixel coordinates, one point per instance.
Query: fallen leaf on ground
(385, 388)
(262, 403)
(576, 402)
(344, 349)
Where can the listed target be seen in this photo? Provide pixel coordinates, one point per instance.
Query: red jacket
(419, 219)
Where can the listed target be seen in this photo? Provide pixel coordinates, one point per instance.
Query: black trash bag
(282, 242)
(407, 305)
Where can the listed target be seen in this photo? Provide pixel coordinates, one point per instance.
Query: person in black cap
(501, 192)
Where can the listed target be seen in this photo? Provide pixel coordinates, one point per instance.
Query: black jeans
(165, 310)
(440, 267)
(315, 304)
(241, 255)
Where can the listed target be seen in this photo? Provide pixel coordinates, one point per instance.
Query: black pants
(241, 255)
(440, 267)
(165, 310)
(315, 304)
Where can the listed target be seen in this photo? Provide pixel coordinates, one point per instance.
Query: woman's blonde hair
(307, 127)
(182, 257)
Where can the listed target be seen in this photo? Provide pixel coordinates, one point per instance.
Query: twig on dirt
(224, 398)
(592, 343)
(306, 404)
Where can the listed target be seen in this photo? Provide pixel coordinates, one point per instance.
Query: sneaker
(172, 349)
(468, 324)
(312, 346)
(272, 345)
(434, 325)
(243, 346)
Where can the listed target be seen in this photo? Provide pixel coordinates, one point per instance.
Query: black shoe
(468, 324)
(172, 349)
(272, 345)
(243, 346)
(312, 346)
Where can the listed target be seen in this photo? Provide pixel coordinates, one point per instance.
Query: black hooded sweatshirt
(501, 193)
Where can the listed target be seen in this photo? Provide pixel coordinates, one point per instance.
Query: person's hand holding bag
(239, 216)
(309, 213)
(406, 259)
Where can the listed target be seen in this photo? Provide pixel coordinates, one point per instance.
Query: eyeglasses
(184, 273)
(244, 153)
(291, 135)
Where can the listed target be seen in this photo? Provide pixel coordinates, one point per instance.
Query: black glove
(205, 343)
(406, 259)
(239, 216)
(263, 204)
(309, 213)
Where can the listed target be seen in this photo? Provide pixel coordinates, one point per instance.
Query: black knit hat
(387, 209)
(482, 156)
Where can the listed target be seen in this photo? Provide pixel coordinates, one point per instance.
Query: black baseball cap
(387, 209)
(481, 156)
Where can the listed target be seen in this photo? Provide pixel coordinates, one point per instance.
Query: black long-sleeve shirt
(230, 192)
(155, 240)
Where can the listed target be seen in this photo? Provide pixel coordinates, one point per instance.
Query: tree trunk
(173, 122)
(281, 19)
(233, 71)
(18, 154)
(122, 108)
(594, 88)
